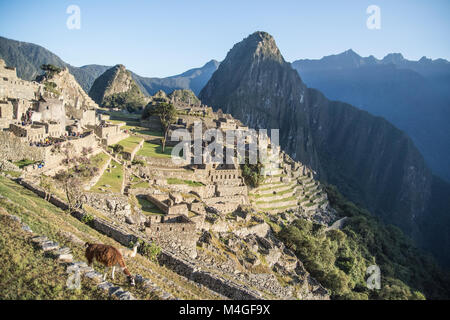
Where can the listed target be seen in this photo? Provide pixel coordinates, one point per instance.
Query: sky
(158, 38)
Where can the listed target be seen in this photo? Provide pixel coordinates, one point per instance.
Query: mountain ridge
(413, 95)
(28, 58)
(268, 93)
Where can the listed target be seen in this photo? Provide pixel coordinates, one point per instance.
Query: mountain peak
(350, 52)
(120, 66)
(258, 46)
(393, 58)
(211, 64)
(114, 82)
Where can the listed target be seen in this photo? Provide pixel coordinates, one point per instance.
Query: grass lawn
(99, 160)
(14, 174)
(130, 143)
(147, 207)
(143, 130)
(113, 179)
(142, 184)
(23, 163)
(188, 182)
(154, 150)
(276, 201)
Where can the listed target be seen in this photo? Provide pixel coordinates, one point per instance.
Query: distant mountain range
(413, 95)
(193, 79)
(28, 58)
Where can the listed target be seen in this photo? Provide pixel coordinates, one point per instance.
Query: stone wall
(15, 149)
(161, 205)
(152, 123)
(231, 190)
(178, 209)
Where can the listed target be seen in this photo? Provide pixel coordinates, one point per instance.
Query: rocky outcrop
(68, 89)
(370, 160)
(115, 206)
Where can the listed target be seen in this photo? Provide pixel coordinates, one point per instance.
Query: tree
(117, 149)
(71, 185)
(50, 69)
(45, 184)
(167, 115)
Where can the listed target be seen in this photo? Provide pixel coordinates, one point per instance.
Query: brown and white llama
(109, 256)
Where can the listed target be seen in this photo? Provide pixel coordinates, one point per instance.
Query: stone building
(110, 133)
(31, 133)
(50, 110)
(173, 230)
(13, 87)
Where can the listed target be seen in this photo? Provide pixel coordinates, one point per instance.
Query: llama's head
(131, 281)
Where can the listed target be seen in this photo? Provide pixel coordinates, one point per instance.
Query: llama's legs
(113, 269)
(105, 274)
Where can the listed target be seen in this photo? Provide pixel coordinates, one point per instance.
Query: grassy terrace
(268, 195)
(142, 130)
(23, 163)
(99, 160)
(14, 174)
(188, 182)
(276, 185)
(276, 201)
(132, 123)
(31, 275)
(155, 151)
(141, 184)
(110, 181)
(147, 207)
(130, 144)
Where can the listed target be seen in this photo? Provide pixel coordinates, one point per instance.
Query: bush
(252, 173)
(150, 250)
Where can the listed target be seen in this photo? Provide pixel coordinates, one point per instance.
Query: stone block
(126, 296)
(105, 286)
(48, 245)
(95, 276)
(39, 239)
(65, 258)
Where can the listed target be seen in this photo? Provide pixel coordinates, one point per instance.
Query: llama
(126, 253)
(109, 257)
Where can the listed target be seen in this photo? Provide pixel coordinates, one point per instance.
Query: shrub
(150, 250)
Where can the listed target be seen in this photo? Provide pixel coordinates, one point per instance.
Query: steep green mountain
(413, 95)
(28, 58)
(115, 88)
(372, 162)
(193, 79)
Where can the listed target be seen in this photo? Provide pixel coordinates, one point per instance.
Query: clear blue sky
(164, 37)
